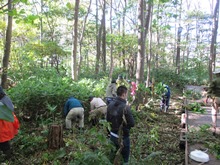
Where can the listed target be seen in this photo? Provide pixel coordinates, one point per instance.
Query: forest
(54, 49)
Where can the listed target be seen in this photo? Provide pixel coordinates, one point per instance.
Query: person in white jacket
(98, 109)
(111, 91)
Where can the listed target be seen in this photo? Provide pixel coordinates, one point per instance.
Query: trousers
(125, 152)
(76, 114)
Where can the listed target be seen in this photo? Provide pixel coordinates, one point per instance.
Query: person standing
(121, 81)
(111, 91)
(165, 98)
(8, 129)
(121, 120)
(213, 92)
(73, 110)
(133, 88)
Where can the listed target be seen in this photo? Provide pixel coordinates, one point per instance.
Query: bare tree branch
(5, 5)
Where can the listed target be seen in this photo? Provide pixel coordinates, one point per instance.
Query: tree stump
(55, 137)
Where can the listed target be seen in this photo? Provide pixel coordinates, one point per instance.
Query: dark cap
(120, 76)
(90, 98)
(113, 81)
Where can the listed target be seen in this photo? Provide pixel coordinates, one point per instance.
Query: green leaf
(17, 1)
(24, 1)
(6, 113)
(61, 153)
(22, 11)
(13, 12)
(69, 6)
(164, 1)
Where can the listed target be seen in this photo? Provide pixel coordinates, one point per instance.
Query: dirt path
(195, 121)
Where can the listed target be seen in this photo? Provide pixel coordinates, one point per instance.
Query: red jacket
(8, 129)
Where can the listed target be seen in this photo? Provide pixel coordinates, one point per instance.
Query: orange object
(8, 129)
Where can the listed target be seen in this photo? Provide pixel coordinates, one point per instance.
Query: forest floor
(197, 121)
(155, 139)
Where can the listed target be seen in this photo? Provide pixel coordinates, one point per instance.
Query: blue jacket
(71, 103)
(167, 90)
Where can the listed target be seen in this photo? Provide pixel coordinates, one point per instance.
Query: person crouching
(98, 109)
(73, 110)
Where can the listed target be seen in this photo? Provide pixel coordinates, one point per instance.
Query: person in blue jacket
(73, 110)
(165, 98)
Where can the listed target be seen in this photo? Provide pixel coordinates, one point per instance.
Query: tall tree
(212, 58)
(111, 46)
(143, 27)
(41, 21)
(104, 37)
(75, 39)
(149, 55)
(81, 38)
(7, 48)
(141, 43)
(123, 32)
(97, 40)
(178, 41)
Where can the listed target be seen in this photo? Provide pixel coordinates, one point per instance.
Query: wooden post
(186, 128)
(55, 137)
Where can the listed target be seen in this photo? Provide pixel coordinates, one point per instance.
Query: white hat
(217, 71)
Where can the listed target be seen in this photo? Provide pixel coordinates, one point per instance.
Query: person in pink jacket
(133, 88)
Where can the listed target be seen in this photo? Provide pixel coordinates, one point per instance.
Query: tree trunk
(55, 137)
(178, 54)
(81, 39)
(148, 18)
(156, 64)
(187, 36)
(142, 33)
(123, 34)
(75, 37)
(41, 21)
(141, 43)
(150, 53)
(7, 48)
(178, 42)
(119, 30)
(97, 40)
(111, 49)
(104, 38)
(187, 49)
(213, 41)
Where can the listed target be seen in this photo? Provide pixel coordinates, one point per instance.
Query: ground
(155, 139)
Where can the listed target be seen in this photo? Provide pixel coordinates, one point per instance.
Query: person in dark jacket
(115, 112)
(73, 110)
